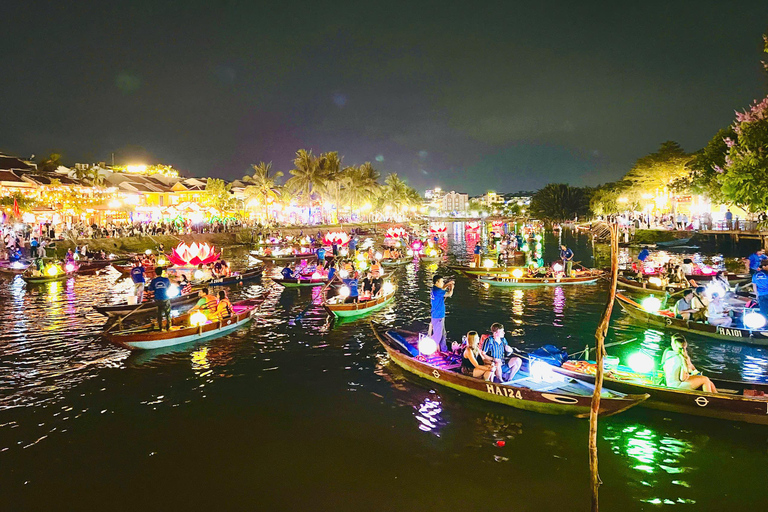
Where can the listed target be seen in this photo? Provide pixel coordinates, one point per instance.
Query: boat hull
(533, 281)
(145, 308)
(507, 394)
(296, 283)
(354, 309)
(733, 334)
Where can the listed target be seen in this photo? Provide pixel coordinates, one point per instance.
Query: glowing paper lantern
(640, 362)
(52, 270)
(558, 267)
(517, 273)
(754, 321)
(651, 304)
(70, 267)
(173, 291)
(378, 256)
(427, 346)
(395, 233)
(343, 274)
(337, 237)
(344, 292)
(193, 255)
(388, 288)
(316, 275)
(197, 319)
(654, 280)
(488, 263)
(198, 274)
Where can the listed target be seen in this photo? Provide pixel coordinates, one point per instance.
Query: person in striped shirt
(496, 346)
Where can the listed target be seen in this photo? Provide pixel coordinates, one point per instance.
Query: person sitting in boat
(224, 307)
(717, 312)
(700, 303)
(387, 254)
(687, 266)
(331, 266)
(184, 284)
(206, 304)
(684, 307)
(378, 284)
(287, 272)
(376, 269)
(367, 287)
(69, 257)
(474, 362)
(498, 349)
(679, 371)
(351, 282)
(643, 255)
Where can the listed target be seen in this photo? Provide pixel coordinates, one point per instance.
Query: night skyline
(506, 97)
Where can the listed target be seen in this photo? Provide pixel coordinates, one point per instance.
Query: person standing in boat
(440, 291)
(478, 253)
(160, 285)
(137, 276)
(755, 259)
(497, 348)
(567, 256)
(760, 283)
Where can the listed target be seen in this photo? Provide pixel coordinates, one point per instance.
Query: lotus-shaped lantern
(192, 255)
(336, 237)
(473, 226)
(396, 232)
(438, 228)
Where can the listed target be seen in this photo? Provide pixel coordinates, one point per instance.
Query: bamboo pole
(602, 330)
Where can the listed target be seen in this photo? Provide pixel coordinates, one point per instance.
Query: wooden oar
(311, 302)
(588, 349)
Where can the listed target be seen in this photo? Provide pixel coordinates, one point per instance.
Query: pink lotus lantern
(395, 233)
(336, 237)
(438, 228)
(473, 226)
(193, 255)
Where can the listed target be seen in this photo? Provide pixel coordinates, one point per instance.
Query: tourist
(684, 307)
(351, 283)
(567, 256)
(287, 273)
(321, 255)
(687, 266)
(367, 286)
(478, 254)
(439, 292)
(224, 308)
(378, 285)
(353, 247)
(755, 259)
(498, 349)
(679, 371)
(760, 284)
(474, 362)
(717, 313)
(137, 276)
(643, 255)
(206, 304)
(161, 285)
(728, 219)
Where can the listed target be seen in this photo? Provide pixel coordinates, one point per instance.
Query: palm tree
(330, 164)
(308, 178)
(94, 177)
(263, 185)
(361, 185)
(51, 163)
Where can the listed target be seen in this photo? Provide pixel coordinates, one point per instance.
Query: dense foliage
(558, 202)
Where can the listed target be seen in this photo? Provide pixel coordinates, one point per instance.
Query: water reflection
(428, 413)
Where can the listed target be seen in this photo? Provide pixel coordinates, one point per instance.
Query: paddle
(588, 349)
(311, 302)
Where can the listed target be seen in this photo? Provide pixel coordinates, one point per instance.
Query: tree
(94, 177)
(361, 185)
(558, 202)
(51, 163)
(658, 170)
(307, 178)
(605, 198)
(263, 185)
(706, 167)
(217, 194)
(330, 167)
(744, 176)
(397, 194)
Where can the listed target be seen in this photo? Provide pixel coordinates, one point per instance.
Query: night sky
(474, 96)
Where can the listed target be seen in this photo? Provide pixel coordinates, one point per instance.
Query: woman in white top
(717, 313)
(679, 371)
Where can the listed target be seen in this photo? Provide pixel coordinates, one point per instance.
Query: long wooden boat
(250, 274)
(510, 280)
(10, 269)
(295, 282)
(667, 319)
(146, 307)
(473, 271)
(730, 403)
(674, 243)
(291, 258)
(430, 259)
(572, 397)
(46, 278)
(395, 263)
(646, 286)
(125, 269)
(363, 307)
(147, 338)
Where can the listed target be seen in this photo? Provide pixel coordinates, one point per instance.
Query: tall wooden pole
(602, 330)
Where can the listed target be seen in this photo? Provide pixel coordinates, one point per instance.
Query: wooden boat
(572, 397)
(646, 286)
(236, 278)
(294, 282)
(473, 271)
(146, 338)
(10, 269)
(395, 263)
(667, 319)
(674, 243)
(730, 403)
(42, 279)
(430, 259)
(146, 307)
(585, 277)
(288, 258)
(125, 269)
(363, 307)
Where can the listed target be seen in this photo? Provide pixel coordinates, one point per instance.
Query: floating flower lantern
(193, 255)
(473, 226)
(438, 228)
(396, 232)
(336, 237)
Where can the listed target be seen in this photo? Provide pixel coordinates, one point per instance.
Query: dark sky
(470, 96)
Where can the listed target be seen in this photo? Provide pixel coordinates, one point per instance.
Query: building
(454, 202)
(433, 201)
(493, 200)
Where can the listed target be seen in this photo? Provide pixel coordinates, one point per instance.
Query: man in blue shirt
(567, 256)
(755, 259)
(351, 283)
(353, 247)
(287, 273)
(478, 251)
(760, 281)
(440, 290)
(321, 255)
(729, 219)
(161, 286)
(137, 276)
(496, 346)
(643, 255)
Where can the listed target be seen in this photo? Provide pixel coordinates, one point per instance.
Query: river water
(284, 415)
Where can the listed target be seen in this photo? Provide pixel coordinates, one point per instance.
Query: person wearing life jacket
(207, 304)
(387, 254)
(349, 267)
(224, 309)
(376, 269)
